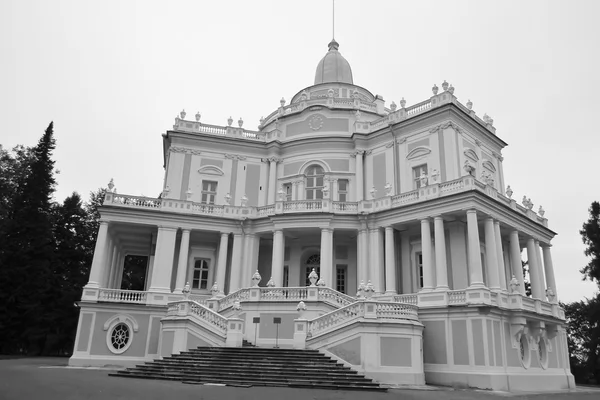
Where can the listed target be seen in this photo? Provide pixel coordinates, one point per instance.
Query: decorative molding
(478, 142)
(445, 125)
(469, 153)
(402, 140)
(489, 166)
(235, 157)
(211, 170)
(418, 152)
(497, 156)
(315, 122)
(357, 152)
(390, 144)
(368, 152)
(121, 318)
(184, 150)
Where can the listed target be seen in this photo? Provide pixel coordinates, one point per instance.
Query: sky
(113, 75)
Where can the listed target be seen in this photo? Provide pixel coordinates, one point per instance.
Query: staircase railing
(334, 319)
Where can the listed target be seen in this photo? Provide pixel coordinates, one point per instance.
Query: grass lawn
(50, 379)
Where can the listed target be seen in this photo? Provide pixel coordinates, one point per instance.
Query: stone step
(261, 372)
(254, 366)
(268, 381)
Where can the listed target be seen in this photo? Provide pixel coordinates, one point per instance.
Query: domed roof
(333, 67)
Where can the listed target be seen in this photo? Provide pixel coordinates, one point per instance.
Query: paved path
(50, 379)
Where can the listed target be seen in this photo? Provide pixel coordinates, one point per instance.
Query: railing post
(300, 331)
(235, 329)
(370, 309)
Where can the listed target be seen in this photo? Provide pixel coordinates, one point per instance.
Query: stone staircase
(253, 366)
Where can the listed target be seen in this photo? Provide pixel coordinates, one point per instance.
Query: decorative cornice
(402, 140)
(497, 156)
(357, 152)
(184, 150)
(445, 125)
(367, 152)
(390, 144)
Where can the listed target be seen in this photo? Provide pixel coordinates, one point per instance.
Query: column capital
(357, 153)
(425, 220)
(389, 228)
(437, 217)
(327, 229)
(224, 234)
(184, 230)
(471, 211)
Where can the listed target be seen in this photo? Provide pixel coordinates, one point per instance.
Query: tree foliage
(590, 234)
(45, 255)
(583, 317)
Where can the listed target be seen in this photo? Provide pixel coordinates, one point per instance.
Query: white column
(491, 258)
(236, 262)
(182, 264)
(119, 276)
(278, 255)
(222, 262)
(406, 267)
(163, 262)
(110, 271)
(327, 256)
(116, 268)
(500, 255)
(441, 267)
(390, 261)
(534, 270)
(426, 250)
(363, 256)
(541, 276)
(549, 269)
(272, 181)
(359, 175)
(99, 260)
(301, 194)
(515, 260)
(248, 260)
(333, 187)
(475, 269)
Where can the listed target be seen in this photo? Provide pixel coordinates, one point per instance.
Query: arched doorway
(312, 261)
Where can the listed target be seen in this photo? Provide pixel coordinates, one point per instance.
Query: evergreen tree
(28, 253)
(590, 234)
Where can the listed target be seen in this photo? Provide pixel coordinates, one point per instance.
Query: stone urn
(470, 104)
(301, 308)
(182, 114)
(186, 291)
(198, 116)
(435, 89)
(313, 277)
(509, 192)
(445, 85)
(403, 103)
(361, 290)
(229, 121)
(240, 122)
(214, 290)
(111, 185)
(369, 290)
(256, 278)
(237, 309)
(514, 285)
(282, 102)
(393, 106)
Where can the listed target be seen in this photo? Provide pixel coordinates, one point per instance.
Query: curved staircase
(253, 366)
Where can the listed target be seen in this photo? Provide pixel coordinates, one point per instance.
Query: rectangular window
(287, 188)
(343, 190)
(419, 259)
(200, 275)
(417, 172)
(340, 278)
(286, 276)
(209, 192)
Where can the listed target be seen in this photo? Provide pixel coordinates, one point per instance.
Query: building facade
(406, 203)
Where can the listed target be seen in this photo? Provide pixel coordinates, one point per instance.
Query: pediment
(469, 153)
(418, 152)
(488, 165)
(211, 170)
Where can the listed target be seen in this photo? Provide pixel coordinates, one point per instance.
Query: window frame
(208, 194)
(341, 268)
(316, 190)
(194, 269)
(344, 192)
(416, 178)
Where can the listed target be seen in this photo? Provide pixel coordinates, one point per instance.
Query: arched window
(314, 182)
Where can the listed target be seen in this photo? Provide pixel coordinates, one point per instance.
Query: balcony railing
(431, 191)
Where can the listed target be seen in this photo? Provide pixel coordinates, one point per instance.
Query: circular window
(543, 354)
(524, 353)
(119, 338)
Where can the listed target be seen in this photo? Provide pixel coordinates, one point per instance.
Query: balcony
(431, 191)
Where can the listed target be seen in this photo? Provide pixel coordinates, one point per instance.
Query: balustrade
(136, 201)
(457, 297)
(209, 209)
(344, 206)
(419, 108)
(396, 311)
(407, 298)
(335, 318)
(405, 198)
(213, 319)
(122, 296)
(334, 297)
(303, 205)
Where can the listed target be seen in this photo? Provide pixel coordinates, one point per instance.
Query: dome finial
(333, 45)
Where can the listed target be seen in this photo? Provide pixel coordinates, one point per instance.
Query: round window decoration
(119, 333)
(524, 353)
(120, 337)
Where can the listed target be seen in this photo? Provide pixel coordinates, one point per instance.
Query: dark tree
(526, 278)
(590, 234)
(28, 254)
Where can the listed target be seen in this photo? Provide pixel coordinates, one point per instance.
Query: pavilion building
(401, 212)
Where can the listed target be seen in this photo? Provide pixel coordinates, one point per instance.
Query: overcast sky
(112, 75)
